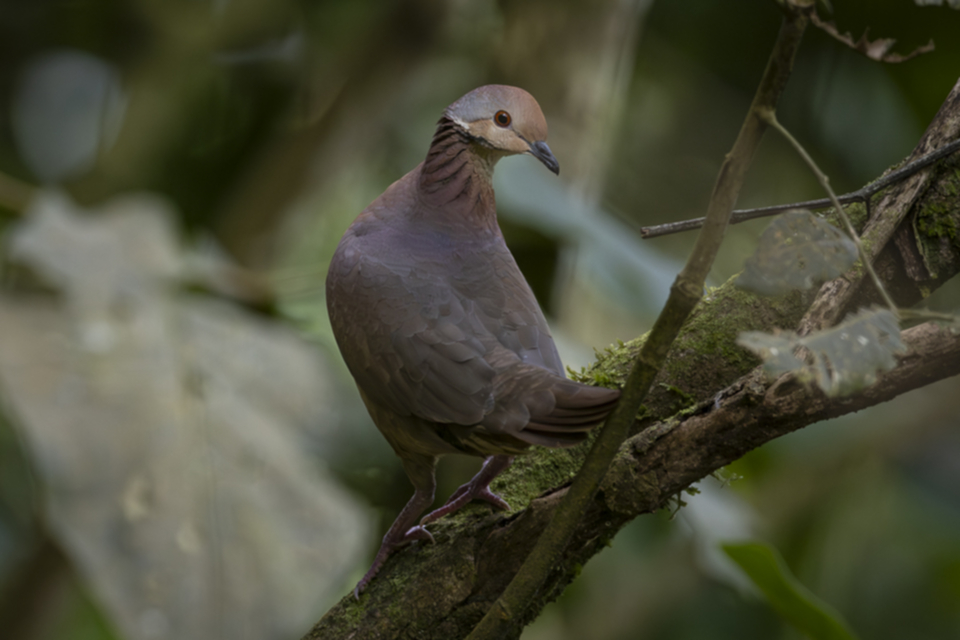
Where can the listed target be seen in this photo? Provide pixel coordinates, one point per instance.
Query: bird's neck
(456, 180)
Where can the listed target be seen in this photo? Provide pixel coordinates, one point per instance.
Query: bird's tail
(539, 407)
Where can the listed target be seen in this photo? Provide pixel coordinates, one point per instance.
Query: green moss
(952, 186)
(532, 474)
(936, 221)
(398, 581)
(937, 224)
(396, 608)
(354, 612)
(711, 334)
(857, 212)
(682, 395)
(612, 365)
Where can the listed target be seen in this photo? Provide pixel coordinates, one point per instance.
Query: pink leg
(477, 489)
(401, 533)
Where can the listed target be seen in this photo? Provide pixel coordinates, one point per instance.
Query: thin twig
(864, 194)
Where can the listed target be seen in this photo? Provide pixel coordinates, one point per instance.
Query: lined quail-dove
(441, 331)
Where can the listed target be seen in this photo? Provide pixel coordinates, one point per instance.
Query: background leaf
(175, 424)
(791, 600)
(796, 250)
(845, 359)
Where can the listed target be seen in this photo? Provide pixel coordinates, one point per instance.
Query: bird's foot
(464, 495)
(387, 548)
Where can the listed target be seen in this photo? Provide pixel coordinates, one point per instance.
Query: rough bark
(711, 407)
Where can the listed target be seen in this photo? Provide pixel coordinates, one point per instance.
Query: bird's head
(506, 119)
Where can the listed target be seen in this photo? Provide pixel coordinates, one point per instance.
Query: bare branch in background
(878, 49)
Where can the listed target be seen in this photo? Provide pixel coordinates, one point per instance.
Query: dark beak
(542, 152)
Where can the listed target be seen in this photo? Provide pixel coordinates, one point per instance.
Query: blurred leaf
(168, 432)
(796, 250)
(67, 108)
(790, 599)
(845, 358)
(878, 49)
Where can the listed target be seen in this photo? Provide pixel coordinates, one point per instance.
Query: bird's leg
(477, 489)
(401, 532)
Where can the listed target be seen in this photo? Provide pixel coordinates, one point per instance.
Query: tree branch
(752, 411)
(439, 591)
(863, 194)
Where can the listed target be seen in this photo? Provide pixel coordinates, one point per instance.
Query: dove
(446, 342)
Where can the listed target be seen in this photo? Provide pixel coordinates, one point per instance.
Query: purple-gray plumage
(441, 331)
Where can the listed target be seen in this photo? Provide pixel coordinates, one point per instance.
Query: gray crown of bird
(443, 335)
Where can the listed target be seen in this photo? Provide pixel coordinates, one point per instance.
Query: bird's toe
(418, 532)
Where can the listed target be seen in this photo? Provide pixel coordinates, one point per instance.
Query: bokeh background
(182, 453)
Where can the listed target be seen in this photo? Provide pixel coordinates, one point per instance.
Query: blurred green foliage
(786, 595)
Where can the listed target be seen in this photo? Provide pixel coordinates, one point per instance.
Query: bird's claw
(416, 533)
(489, 496)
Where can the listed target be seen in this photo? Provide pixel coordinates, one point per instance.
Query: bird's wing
(508, 311)
(458, 341)
(534, 401)
(410, 341)
(428, 340)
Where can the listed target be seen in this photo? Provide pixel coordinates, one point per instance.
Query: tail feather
(553, 440)
(560, 413)
(577, 409)
(537, 406)
(582, 423)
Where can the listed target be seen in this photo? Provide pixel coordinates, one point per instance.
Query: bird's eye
(502, 118)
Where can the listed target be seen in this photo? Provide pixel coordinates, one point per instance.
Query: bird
(443, 336)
